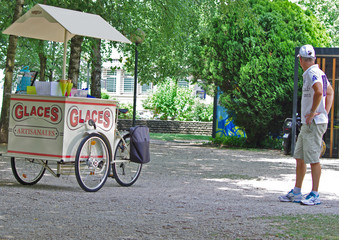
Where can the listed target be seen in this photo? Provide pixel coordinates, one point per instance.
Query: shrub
(129, 114)
(104, 95)
(272, 143)
(269, 142)
(231, 141)
(170, 102)
(202, 112)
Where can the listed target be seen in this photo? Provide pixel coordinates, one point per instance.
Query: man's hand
(310, 116)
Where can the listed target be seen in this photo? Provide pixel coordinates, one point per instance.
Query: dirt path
(186, 192)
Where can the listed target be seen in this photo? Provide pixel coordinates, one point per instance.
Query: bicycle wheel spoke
(125, 172)
(92, 162)
(27, 171)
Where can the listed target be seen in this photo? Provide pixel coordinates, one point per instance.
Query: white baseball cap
(307, 51)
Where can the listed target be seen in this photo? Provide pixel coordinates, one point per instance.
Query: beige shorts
(308, 146)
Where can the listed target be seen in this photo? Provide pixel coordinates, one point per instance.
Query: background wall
(158, 126)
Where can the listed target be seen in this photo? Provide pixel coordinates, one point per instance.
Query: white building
(120, 85)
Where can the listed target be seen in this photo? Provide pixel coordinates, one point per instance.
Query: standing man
(316, 102)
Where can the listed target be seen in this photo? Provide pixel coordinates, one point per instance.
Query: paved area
(187, 191)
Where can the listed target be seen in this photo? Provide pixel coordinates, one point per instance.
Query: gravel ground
(187, 191)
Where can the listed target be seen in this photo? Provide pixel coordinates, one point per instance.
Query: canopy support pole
(65, 56)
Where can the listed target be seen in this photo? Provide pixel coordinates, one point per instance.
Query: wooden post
(323, 67)
(332, 110)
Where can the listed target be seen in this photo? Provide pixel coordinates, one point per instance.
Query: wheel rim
(92, 164)
(125, 171)
(28, 170)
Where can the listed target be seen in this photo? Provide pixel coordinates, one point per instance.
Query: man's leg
(316, 172)
(295, 194)
(313, 198)
(300, 172)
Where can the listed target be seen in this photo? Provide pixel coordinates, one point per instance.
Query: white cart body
(51, 128)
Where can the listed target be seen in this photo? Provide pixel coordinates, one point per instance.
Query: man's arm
(329, 98)
(318, 94)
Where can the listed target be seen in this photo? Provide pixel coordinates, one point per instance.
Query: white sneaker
(311, 200)
(291, 197)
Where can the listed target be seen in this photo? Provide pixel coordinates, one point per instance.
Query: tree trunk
(74, 60)
(96, 69)
(43, 61)
(13, 40)
(51, 69)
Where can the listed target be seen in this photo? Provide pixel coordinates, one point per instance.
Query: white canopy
(49, 23)
(60, 25)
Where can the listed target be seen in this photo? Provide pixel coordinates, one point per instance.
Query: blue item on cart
(25, 80)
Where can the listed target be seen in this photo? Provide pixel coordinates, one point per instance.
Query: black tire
(92, 162)
(28, 171)
(125, 172)
(287, 146)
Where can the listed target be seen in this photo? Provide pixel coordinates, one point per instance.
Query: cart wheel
(92, 162)
(28, 171)
(125, 172)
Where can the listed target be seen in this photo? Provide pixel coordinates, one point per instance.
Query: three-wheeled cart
(78, 134)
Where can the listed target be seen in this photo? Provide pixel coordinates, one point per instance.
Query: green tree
(5, 20)
(11, 50)
(42, 56)
(170, 27)
(327, 13)
(248, 52)
(171, 30)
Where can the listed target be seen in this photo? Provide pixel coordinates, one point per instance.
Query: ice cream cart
(77, 134)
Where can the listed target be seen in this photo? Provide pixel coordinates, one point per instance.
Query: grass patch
(309, 226)
(173, 137)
